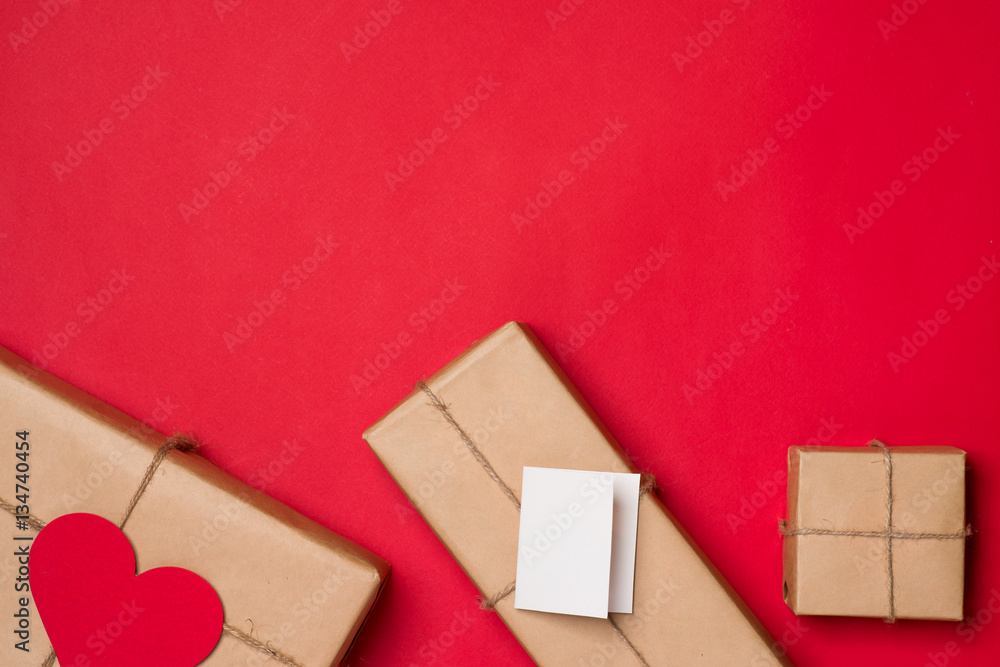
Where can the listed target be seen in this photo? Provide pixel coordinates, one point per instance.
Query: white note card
(623, 535)
(576, 543)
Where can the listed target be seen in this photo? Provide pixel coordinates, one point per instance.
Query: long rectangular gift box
(294, 593)
(457, 447)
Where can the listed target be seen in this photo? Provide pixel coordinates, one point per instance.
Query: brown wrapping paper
(513, 401)
(844, 489)
(283, 579)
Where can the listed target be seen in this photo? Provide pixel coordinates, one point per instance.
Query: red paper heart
(98, 613)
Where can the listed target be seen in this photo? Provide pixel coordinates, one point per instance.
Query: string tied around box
(887, 534)
(647, 484)
(180, 443)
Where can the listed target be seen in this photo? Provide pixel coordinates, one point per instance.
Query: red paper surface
(115, 287)
(96, 611)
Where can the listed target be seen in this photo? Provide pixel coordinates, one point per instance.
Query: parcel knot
(647, 483)
(180, 442)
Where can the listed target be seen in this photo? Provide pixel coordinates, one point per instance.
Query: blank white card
(576, 543)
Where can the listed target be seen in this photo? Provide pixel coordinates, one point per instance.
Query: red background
(163, 339)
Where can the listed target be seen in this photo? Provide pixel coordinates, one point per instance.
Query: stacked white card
(576, 544)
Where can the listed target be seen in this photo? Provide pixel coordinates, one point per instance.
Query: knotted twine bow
(181, 443)
(888, 534)
(648, 484)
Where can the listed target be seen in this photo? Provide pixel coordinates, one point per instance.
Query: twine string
(890, 579)
(888, 534)
(488, 604)
(647, 484)
(785, 530)
(181, 443)
(263, 647)
(631, 647)
(446, 413)
(33, 521)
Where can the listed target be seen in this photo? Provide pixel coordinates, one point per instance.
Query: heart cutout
(98, 613)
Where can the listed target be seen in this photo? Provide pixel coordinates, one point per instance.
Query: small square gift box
(875, 531)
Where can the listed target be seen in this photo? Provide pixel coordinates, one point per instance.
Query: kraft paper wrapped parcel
(843, 533)
(507, 395)
(284, 580)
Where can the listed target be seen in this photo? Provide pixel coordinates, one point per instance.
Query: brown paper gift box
(283, 579)
(513, 402)
(835, 493)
